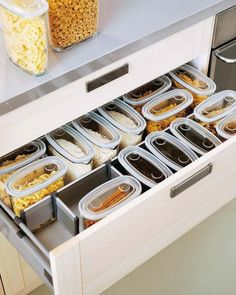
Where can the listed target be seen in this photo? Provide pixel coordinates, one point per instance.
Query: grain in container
(17, 159)
(129, 123)
(25, 33)
(101, 134)
(35, 181)
(141, 95)
(77, 152)
(198, 84)
(197, 137)
(107, 198)
(163, 109)
(170, 150)
(226, 128)
(71, 22)
(143, 165)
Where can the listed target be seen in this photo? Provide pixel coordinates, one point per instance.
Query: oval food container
(170, 150)
(107, 198)
(194, 135)
(141, 95)
(226, 128)
(77, 152)
(129, 123)
(25, 33)
(163, 109)
(189, 78)
(101, 134)
(35, 181)
(143, 165)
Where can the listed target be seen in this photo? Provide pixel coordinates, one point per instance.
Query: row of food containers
(34, 171)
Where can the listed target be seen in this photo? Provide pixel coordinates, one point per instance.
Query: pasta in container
(226, 128)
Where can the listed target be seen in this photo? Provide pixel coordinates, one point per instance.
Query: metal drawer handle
(225, 59)
(179, 188)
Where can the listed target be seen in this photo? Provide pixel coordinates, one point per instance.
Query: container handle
(225, 59)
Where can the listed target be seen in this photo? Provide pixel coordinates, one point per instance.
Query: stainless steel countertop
(125, 27)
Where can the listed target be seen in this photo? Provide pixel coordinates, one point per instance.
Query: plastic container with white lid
(141, 95)
(226, 128)
(163, 109)
(76, 151)
(194, 135)
(101, 134)
(143, 165)
(170, 150)
(24, 26)
(129, 123)
(107, 198)
(35, 181)
(191, 79)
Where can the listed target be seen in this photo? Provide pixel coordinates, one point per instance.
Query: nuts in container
(226, 128)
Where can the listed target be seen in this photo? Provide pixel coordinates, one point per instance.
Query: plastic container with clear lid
(129, 123)
(197, 137)
(198, 84)
(143, 165)
(170, 150)
(107, 198)
(163, 109)
(101, 134)
(35, 181)
(25, 33)
(77, 152)
(226, 128)
(17, 159)
(71, 22)
(141, 95)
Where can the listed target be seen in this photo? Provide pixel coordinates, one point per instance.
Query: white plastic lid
(197, 137)
(119, 107)
(71, 135)
(25, 8)
(118, 191)
(194, 80)
(143, 165)
(170, 150)
(45, 165)
(146, 92)
(216, 107)
(167, 105)
(226, 128)
(98, 124)
(34, 150)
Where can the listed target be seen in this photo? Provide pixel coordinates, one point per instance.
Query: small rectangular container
(76, 151)
(25, 33)
(141, 95)
(101, 134)
(198, 84)
(163, 109)
(129, 123)
(35, 181)
(226, 128)
(170, 150)
(143, 165)
(17, 159)
(107, 198)
(197, 137)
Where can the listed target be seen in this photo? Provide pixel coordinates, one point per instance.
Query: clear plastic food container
(16, 160)
(101, 134)
(143, 165)
(197, 137)
(163, 109)
(107, 198)
(71, 22)
(170, 150)
(25, 33)
(77, 152)
(35, 181)
(198, 84)
(141, 95)
(129, 123)
(226, 128)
